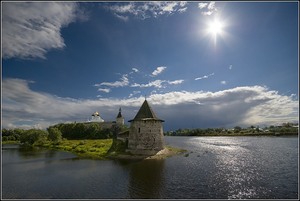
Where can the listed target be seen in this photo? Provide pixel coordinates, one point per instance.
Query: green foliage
(76, 131)
(54, 135)
(34, 137)
(12, 134)
(86, 148)
(285, 129)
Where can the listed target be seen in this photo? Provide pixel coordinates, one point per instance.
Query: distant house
(106, 124)
(96, 117)
(146, 132)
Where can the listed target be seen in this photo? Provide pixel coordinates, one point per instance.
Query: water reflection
(216, 168)
(146, 179)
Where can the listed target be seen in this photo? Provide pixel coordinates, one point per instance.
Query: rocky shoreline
(166, 152)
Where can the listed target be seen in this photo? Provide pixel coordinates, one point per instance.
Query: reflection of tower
(96, 117)
(146, 180)
(120, 118)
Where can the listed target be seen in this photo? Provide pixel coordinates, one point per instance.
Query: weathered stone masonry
(146, 132)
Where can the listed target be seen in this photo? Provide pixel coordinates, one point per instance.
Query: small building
(96, 117)
(146, 132)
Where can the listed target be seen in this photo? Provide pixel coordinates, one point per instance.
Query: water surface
(214, 168)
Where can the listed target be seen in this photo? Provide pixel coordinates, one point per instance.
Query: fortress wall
(146, 135)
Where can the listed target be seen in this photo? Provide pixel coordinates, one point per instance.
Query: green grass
(10, 142)
(95, 149)
(176, 150)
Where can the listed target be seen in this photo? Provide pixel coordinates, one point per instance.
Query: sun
(215, 27)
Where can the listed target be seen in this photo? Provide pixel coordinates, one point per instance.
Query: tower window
(139, 130)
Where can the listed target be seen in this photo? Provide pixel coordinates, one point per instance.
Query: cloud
(124, 18)
(223, 82)
(124, 82)
(175, 82)
(230, 67)
(158, 83)
(31, 29)
(143, 10)
(202, 5)
(207, 8)
(134, 93)
(155, 83)
(104, 90)
(135, 70)
(158, 70)
(243, 106)
(205, 76)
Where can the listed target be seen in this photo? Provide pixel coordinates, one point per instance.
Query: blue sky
(200, 64)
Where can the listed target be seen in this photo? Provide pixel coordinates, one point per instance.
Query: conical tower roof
(145, 113)
(119, 114)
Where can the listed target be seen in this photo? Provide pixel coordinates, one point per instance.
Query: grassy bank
(95, 149)
(10, 142)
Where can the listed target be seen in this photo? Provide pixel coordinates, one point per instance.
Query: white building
(96, 117)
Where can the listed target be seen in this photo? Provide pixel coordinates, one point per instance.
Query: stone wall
(145, 137)
(120, 121)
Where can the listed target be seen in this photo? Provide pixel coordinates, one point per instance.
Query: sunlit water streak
(215, 167)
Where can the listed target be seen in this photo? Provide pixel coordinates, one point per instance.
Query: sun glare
(215, 27)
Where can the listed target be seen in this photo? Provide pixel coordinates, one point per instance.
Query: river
(213, 168)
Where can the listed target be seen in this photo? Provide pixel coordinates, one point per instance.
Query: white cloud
(134, 93)
(207, 8)
(202, 5)
(205, 76)
(31, 29)
(158, 83)
(244, 106)
(135, 70)
(182, 10)
(124, 18)
(106, 90)
(175, 82)
(143, 10)
(124, 82)
(223, 82)
(158, 70)
(155, 83)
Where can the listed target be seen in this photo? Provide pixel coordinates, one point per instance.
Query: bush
(54, 135)
(34, 137)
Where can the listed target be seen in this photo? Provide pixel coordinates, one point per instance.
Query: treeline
(32, 136)
(77, 131)
(285, 129)
(70, 131)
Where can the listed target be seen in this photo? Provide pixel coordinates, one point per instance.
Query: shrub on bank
(34, 137)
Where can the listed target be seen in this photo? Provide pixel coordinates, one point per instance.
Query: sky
(198, 64)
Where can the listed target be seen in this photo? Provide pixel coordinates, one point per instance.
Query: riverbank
(168, 151)
(99, 149)
(237, 134)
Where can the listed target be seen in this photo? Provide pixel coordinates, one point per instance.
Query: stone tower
(146, 132)
(120, 118)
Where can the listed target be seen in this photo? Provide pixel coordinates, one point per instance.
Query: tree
(34, 137)
(237, 129)
(54, 135)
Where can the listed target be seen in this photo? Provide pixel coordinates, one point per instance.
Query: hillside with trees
(284, 129)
